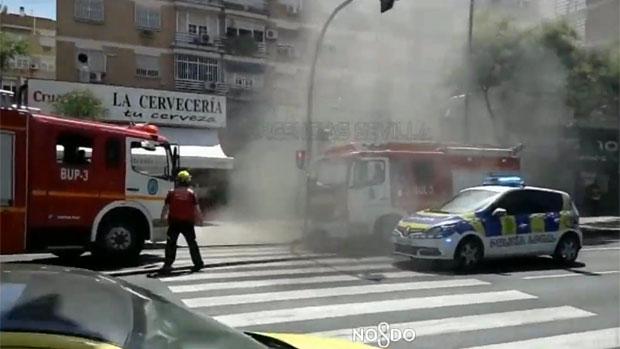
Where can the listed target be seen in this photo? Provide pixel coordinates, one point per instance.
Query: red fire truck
(68, 186)
(358, 189)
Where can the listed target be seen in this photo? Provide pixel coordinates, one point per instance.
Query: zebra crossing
(330, 296)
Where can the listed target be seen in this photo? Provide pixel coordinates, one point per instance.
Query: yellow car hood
(301, 341)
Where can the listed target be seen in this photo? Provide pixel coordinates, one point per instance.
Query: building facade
(40, 60)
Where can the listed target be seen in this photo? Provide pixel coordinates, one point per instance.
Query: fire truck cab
(68, 186)
(357, 189)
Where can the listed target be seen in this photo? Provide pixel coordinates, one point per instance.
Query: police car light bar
(507, 181)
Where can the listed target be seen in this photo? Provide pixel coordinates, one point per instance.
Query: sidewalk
(600, 225)
(271, 232)
(229, 233)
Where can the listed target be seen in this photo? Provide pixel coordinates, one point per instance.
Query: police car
(501, 218)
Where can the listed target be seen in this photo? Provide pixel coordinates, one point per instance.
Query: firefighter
(181, 210)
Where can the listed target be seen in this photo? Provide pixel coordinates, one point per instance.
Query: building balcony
(244, 46)
(258, 7)
(198, 42)
(207, 3)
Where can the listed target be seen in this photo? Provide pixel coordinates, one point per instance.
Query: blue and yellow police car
(501, 218)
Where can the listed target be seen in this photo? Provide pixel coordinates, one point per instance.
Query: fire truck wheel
(468, 254)
(118, 239)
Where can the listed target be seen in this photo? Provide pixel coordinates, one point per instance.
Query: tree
(9, 48)
(496, 50)
(528, 66)
(81, 104)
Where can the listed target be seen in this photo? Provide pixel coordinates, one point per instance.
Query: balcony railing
(216, 3)
(198, 41)
(254, 6)
(201, 86)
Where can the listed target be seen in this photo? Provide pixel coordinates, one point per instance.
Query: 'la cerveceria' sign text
(128, 104)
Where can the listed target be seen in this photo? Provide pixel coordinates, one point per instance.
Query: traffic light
(386, 5)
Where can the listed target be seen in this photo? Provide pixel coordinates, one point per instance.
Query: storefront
(188, 119)
(596, 166)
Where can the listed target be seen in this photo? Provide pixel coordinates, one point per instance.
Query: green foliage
(81, 104)
(540, 62)
(9, 48)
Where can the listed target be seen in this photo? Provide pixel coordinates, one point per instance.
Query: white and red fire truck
(68, 186)
(357, 189)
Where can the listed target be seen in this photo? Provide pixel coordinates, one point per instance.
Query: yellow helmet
(184, 177)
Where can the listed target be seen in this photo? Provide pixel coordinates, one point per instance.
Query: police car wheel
(567, 249)
(468, 254)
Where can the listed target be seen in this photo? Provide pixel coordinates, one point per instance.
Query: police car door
(368, 195)
(506, 234)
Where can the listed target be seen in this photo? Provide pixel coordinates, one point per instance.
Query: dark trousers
(187, 229)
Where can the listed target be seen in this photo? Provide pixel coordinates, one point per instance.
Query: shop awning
(199, 148)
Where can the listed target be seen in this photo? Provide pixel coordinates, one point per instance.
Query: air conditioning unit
(97, 76)
(271, 34)
(210, 85)
(292, 9)
(291, 52)
(34, 66)
(146, 32)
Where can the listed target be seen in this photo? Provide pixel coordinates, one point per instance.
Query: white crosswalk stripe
(282, 281)
(324, 289)
(605, 338)
(272, 272)
(478, 322)
(327, 292)
(348, 309)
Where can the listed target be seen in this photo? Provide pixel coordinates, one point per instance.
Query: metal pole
(310, 101)
(469, 35)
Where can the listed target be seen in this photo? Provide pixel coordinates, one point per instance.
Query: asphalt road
(525, 302)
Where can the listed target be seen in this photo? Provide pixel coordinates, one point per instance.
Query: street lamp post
(310, 102)
(468, 65)
(310, 106)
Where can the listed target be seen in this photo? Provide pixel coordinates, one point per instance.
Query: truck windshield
(152, 159)
(331, 172)
(469, 201)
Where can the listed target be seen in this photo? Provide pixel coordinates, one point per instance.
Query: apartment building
(218, 51)
(40, 60)
(602, 22)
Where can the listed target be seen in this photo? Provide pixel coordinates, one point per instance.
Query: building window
(90, 10)
(147, 17)
(202, 30)
(7, 157)
(75, 150)
(192, 29)
(196, 68)
(147, 66)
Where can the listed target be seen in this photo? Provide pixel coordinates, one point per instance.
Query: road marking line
(552, 276)
(207, 259)
(600, 248)
(283, 281)
(606, 338)
(384, 306)
(311, 262)
(477, 322)
(327, 292)
(274, 272)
